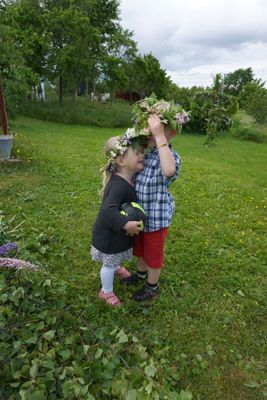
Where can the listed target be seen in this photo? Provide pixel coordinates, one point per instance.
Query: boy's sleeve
(177, 168)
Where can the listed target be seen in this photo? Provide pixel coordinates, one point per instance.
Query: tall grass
(245, 127)
(82, 112)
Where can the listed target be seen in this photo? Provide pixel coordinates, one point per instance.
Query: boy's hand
(132, 227)
(156, 127)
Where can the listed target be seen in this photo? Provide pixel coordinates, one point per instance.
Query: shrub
(258, 107)
(49, 351)
(211, 110)
(246, 133)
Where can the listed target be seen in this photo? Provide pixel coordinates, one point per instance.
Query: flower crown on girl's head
(129, 138)
(169, 113)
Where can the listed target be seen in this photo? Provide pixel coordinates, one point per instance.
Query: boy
(162, 166)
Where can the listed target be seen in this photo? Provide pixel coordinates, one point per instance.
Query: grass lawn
(207, 326)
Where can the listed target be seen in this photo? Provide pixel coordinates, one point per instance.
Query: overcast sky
(195, 39)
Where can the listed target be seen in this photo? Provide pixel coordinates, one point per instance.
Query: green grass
(245, 127)
(208, 322)
(83, 112)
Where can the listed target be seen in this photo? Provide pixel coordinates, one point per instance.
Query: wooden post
(3, 109)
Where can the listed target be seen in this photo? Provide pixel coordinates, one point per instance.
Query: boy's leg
(153, 275)
(139, 275)
(152, 262)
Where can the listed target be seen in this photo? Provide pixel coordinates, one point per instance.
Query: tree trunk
(3, 109)
(74, 96)
(86, 88)
(60, 90)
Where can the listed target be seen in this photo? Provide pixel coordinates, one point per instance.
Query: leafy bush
(246, 133)
(48, 350)
(257, 107)
(211, 110)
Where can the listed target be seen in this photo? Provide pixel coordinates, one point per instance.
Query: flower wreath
(131, 137)
(169, 113)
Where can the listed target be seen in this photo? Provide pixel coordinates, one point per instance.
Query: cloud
(195, 39)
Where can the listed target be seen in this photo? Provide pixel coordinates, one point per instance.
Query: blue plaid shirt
(152, 191)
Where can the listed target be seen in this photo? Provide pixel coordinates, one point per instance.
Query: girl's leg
(107, 278)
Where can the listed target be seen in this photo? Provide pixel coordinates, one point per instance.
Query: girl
(112, 238)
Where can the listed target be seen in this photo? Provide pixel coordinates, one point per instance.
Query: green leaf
(49, 364)
(49, 335)
(86, 348)
(98, 353)
(185, 395)
(17, 295)
(65, 354)
(210, 351)
(252, 385)
(83, 328)
(34, 371)
(40, 326)
(16, 374)
(131, 395)
(89, 396)
(149, 388)
(123, 338)
(32, 340)
(43, 249)
(150, 370)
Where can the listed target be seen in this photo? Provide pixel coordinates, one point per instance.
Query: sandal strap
(122, 272)
(145, 293)
(109, 298)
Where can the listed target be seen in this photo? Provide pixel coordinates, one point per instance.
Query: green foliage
(117, 114)
(235, 82)
(48, 350)
(14, 73)
(204, 333)
(211, 110)
(246, 128)
(257, 106)
(249, 134)
(182, 95)
(170, 114)
(147, 77)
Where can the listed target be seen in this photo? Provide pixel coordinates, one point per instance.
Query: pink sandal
(122, 272)
(109, 298)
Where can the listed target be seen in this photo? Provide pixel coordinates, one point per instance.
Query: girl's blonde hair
(106, 175)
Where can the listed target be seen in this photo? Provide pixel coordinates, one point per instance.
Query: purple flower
(6, 248)
(16, 263)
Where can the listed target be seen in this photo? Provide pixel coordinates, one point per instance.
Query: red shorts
(150, 246)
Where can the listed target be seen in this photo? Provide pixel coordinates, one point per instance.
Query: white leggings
(107, 277)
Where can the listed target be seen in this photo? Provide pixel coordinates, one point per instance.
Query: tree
(81, 31)
(25, 21)
(15, 75)
(120, 52)
(254, 100)
(148, 76)
(234, 82)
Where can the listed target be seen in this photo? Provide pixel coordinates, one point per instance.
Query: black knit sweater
(108, 235)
